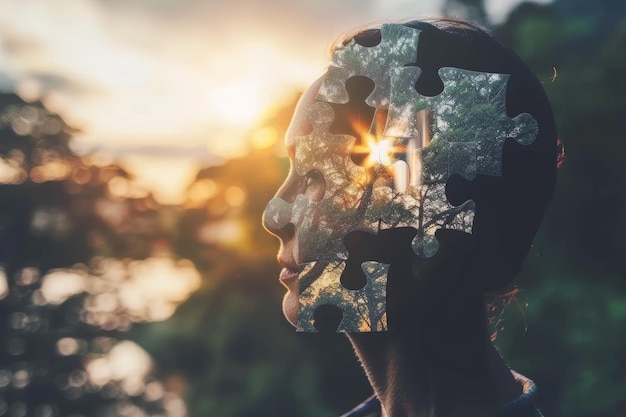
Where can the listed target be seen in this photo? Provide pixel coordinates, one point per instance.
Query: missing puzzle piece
(363, 310)
(469, 120)
(398, 47)
(424, 208)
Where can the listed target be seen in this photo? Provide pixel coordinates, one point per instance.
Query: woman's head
(422, 163)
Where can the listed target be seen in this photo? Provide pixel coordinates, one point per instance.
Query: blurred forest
(115, 305)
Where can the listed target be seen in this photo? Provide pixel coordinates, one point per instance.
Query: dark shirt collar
(523, 406)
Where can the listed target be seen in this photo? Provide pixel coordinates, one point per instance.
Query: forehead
(299, 123)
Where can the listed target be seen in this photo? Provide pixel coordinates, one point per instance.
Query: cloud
(162, 85)
(198, 154)
(150, 72)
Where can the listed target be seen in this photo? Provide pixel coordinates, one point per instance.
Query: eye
(315, 186)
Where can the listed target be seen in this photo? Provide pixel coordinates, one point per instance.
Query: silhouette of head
(421, 163)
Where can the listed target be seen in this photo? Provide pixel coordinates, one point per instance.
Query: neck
(448, 368)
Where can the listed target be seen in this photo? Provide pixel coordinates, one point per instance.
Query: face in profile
(311, 187)
(370, 154)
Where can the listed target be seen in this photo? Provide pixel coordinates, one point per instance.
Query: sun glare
(377, 151)
(264, 137)
(165, 177)
(237, 103)
(380, 152)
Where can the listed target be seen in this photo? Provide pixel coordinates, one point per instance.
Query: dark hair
(510, 207)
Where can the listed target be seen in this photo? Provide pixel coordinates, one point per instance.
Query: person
(446, 209)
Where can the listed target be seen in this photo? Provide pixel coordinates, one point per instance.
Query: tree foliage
(63, 322)
(227, 351)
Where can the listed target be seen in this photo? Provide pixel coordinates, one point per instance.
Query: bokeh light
(4, 284)
(58, 285)
(126, 363)
(136, 156)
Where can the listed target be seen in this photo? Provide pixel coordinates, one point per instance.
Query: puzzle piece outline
(353, 59)
(353, 320)
(464, 158)
(522, 128)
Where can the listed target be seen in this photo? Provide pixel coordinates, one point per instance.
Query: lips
(288, 276)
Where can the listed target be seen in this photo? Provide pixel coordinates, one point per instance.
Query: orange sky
(176, 73)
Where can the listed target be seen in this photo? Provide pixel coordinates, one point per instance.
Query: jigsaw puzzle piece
(364, 309)
(424, 205)
(523, 129)
(463, 159)
(329, 154)
(474, 148)
(478, 97)
(438, 213)
(398, 47)
(321, 225)
(393, 209)
(434, 162)
(317, 239)
(333, 88)
(279, 213)
(425, 208)
(404, 103)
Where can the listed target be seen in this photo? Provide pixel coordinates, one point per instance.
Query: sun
(375, 150)
(379, 152)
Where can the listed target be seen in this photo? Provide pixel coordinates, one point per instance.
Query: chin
(291, 307)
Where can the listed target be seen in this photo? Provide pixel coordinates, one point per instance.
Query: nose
(276, 216)
(276, 220)
(297, 191)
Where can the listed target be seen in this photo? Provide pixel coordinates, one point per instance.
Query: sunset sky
(177, 74)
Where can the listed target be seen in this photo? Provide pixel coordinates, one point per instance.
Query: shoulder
(368, 408)
(524, 405)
